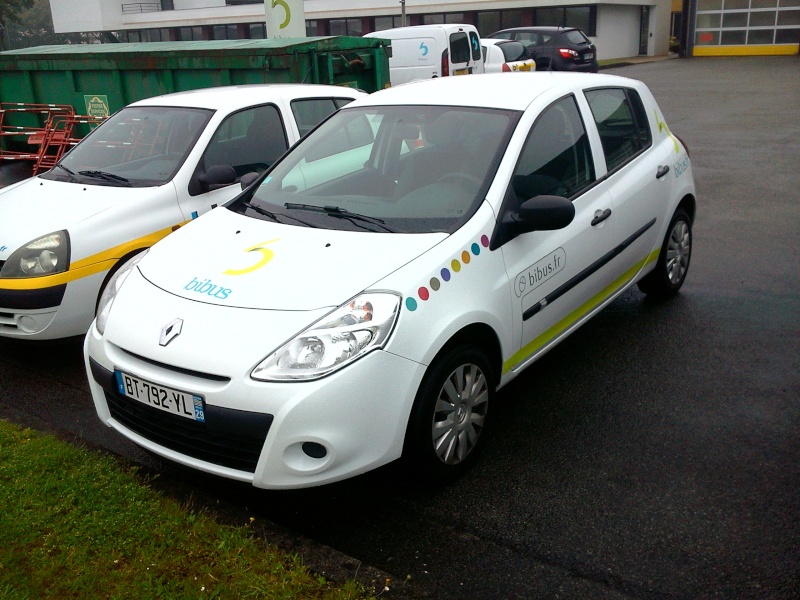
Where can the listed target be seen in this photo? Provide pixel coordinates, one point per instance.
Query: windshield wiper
(68, 171)
(342, 213)
(273, 216)
(106, 176)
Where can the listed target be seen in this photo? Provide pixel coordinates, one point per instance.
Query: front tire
(448, 419)
(673, 261)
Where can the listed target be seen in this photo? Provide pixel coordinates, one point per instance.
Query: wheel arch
(125, 258)
(484, 337)
(689, 204)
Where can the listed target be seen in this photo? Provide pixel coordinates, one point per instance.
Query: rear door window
(622, 123)
(475, 43)
(460, 48)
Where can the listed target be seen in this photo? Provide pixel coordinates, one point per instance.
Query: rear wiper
(343, 213)
(106, 176)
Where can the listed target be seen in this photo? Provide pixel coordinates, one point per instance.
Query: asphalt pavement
(653, 454)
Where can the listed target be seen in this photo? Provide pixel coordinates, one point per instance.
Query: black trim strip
(587, 272)
(50, 297)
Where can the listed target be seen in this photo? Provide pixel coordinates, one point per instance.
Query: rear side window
(622, 123)
(460, 47)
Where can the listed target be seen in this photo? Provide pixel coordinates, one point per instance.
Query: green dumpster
(99, 79)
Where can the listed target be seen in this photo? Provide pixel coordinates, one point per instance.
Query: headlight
(110, 291)
(46, 255)
(346, 334)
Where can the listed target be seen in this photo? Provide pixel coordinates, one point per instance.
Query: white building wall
(71, 16)
(617, 31)
(617, 24)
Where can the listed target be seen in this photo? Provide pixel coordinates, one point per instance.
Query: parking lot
(653, 454)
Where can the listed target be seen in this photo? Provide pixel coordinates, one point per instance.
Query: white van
(428, 51)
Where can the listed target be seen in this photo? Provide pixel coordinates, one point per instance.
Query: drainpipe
(688, 20)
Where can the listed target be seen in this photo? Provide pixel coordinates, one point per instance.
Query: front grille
(229, 438)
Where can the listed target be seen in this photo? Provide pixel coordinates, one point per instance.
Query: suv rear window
(575, 36)
(514, 51)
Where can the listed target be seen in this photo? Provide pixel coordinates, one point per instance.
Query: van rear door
(465, 53)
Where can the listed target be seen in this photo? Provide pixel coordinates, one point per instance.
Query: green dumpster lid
(262, 47)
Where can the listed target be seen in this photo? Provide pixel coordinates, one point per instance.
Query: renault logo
(170, 331)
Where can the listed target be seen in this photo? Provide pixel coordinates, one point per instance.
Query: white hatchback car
(367, 298)
(148, 169)
(506, 56)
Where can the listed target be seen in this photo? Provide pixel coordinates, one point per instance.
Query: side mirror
(540, 213)
(216, 177)
(248, 178)
(545, 213)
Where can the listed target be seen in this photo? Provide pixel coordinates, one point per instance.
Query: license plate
(461, 72)
(588, 56)
(175, 402)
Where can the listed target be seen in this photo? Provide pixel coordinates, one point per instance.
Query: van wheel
(449, 415)
(673, 260)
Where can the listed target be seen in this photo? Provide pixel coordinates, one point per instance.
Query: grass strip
(79, 524)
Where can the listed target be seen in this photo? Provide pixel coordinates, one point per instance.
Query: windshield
(136, 147)
(413, 169)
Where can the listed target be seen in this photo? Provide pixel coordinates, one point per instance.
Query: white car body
(232, 312)
(106, 223)
(495, 59)
(430, 51)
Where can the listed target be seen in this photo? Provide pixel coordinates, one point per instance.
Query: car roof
(490, 90)
(542, 28)
(497, 41)
(233, 97)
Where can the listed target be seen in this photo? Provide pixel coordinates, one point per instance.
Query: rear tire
(448, 419)
(673, 261)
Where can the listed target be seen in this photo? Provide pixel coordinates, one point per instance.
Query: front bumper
(49, 312)
(302, 434)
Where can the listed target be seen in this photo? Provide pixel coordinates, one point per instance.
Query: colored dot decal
(435, 283)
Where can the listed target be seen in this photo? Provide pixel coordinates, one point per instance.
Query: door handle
(600, 216)
(662, 171)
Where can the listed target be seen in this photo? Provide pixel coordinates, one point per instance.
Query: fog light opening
(314, 450)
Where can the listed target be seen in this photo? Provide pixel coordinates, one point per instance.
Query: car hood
(227, 259)
(36, 207)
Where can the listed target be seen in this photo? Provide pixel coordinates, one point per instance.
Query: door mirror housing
(217, 176)
(545, 213)
(540, 213)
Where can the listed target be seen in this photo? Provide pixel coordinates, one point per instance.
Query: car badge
(170, 331)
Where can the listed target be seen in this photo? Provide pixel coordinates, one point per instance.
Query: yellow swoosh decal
(545, 338)
(96, 263)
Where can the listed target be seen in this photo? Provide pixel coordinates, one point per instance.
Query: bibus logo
(206, 286)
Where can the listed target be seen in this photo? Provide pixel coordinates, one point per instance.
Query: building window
(750, 22)
(345, 27)
(582, 17)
